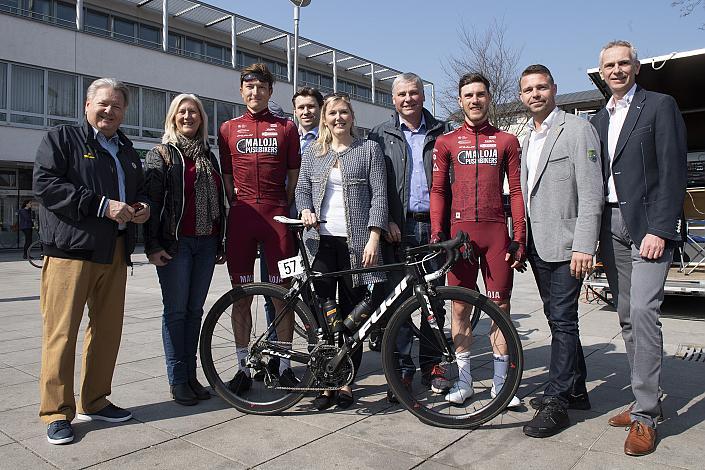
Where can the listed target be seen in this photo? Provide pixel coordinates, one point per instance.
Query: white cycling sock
(500, 371)
(464, 375)
(241, 357)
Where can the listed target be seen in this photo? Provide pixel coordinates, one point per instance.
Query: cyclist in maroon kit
(469, 166)
(260, 158)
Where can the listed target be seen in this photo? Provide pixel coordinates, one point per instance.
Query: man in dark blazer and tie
(643, 140)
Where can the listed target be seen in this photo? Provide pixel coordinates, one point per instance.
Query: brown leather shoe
(624, 418)
(641, 439)
(621, 419)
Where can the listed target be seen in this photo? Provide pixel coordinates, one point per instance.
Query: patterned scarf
(205, 189)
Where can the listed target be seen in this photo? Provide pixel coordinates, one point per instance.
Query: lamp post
(298, 4)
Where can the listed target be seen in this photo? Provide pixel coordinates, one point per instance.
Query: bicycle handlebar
(451, 248)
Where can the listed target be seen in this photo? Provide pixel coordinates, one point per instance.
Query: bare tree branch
(687, 7)
(489, 53)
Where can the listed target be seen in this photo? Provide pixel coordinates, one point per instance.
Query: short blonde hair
(170, 130)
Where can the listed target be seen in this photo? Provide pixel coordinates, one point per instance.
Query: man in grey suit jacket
(561, 181)
(644, 151)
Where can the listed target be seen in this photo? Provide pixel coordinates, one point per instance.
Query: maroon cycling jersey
(258, 150)
(469, 164)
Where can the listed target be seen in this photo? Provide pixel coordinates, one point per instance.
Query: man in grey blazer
(561, 180)
(644, 152)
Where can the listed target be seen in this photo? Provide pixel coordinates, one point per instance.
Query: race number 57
(291, 267)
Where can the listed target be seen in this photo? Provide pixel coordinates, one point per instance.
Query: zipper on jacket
(183, 196)
(477, 174)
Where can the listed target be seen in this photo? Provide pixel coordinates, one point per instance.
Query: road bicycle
(320, 354)
(35, 254)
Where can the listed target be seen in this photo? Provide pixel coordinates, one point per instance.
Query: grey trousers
(637, 287)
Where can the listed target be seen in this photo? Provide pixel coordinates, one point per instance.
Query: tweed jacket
(364, 196)
(567, 197)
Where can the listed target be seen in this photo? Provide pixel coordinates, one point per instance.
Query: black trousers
(27, 239)
(559, 293)
(333, 255)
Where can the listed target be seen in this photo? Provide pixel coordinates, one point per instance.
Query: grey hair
(620, 43)
(108, 83)
(408, 77)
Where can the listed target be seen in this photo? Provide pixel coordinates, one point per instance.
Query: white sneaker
(515, 403)
(459, 392)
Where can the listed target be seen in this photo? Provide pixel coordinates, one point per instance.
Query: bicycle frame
(414, 278)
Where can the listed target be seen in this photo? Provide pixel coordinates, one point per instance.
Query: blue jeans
(185, 281)
(559, 293)
(415, 233)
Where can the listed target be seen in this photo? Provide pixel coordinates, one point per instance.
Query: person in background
(25, 224)
(407, 141)
(185, 187)
(343, 182)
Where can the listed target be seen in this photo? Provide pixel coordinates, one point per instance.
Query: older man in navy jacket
(643, 141)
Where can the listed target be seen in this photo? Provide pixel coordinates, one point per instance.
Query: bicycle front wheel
(245, 308)
(35, 254)
(421, 348)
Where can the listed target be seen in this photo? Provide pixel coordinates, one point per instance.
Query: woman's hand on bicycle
(309, 218)
(369, 254)
(159, 258)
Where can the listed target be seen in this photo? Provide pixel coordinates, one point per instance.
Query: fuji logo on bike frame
(377, 314)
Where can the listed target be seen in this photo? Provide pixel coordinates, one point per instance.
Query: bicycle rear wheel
(35, 254)
(432, 408)
(266, 395)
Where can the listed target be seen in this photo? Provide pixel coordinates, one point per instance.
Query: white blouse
(333, 207)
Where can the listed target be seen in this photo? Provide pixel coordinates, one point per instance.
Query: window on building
(131, 120)
(96, 22)
(65, 14)
(150, 36)
(226, 111)
(383, 98)
(245, 59)
(61, 95)
(153, 112)
(3, 85)
(209, 106)
(176, 42)
(364, 93)
(27, 95)
(9, 5)
(40, 9)
(124, 30)
(326, 84)
(215, 53)
(193, 47)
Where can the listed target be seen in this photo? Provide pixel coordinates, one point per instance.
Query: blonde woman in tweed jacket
(343, 181)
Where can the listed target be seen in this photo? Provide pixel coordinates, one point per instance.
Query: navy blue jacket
(649, 166)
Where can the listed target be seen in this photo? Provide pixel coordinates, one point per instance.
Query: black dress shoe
(323, 401)
(199, 390)
(344, 399)
(183, 395)
(575, 402)
(549, 420)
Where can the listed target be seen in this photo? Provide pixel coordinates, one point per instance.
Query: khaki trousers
(67, 286)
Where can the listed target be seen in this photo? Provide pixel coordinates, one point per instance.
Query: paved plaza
(371, 434)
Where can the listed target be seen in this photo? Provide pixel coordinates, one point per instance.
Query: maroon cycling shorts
(252, 224)
(489, 241)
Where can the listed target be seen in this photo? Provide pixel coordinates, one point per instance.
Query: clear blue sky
(418, 36)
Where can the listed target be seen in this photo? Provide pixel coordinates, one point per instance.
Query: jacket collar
(90, 135)
(393, 125)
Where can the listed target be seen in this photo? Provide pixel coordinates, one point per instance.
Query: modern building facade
(50, 51)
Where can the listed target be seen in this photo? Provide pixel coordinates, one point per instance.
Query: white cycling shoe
(459, 392)
(515, 403)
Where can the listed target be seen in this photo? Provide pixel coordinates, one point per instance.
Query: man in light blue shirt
(307, 103)
(407, 140)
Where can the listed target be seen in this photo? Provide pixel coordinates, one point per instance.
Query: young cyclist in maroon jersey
(260, 158)
(469, 166)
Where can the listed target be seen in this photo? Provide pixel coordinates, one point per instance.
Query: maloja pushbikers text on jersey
(258, 150)
(469, 165)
